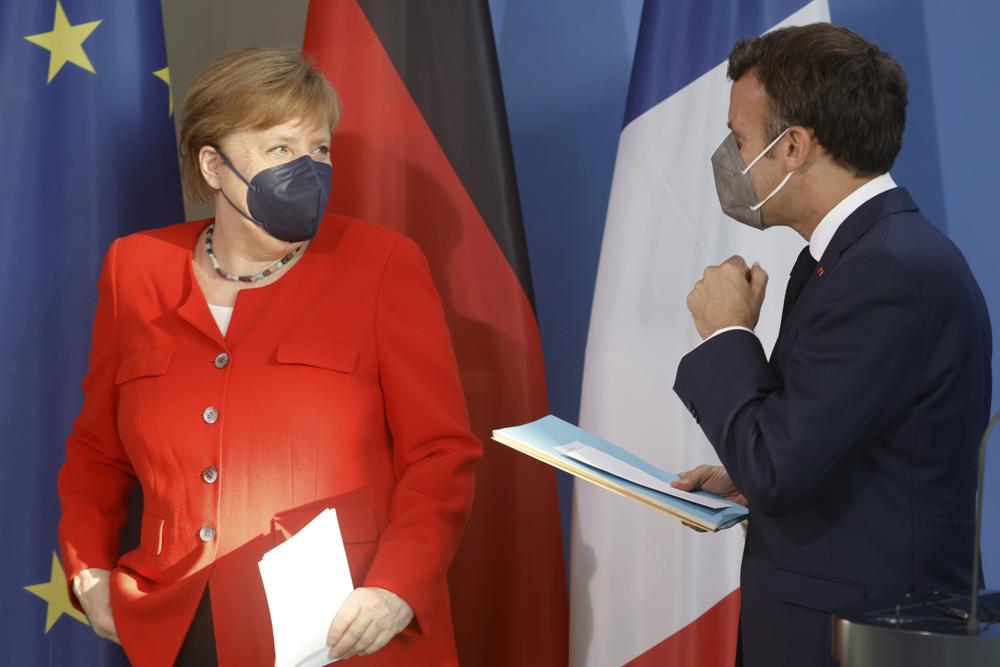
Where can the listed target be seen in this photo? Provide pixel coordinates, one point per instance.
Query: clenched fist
(729, 295)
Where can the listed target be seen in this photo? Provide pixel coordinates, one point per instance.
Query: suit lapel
(897, 200)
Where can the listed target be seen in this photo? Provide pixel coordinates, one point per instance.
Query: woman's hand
(713, 479)
(368, 619)
(91, 587)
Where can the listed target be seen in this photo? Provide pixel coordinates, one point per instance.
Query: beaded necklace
(245, 279)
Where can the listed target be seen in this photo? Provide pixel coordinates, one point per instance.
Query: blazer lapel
(194, 309)
(853, 228)
(897, 200)
(307, 280)
(281, 302)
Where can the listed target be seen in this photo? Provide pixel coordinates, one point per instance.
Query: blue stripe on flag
(89, 155)
(679, 40)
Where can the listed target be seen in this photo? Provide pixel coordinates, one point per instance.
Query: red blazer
(335, 387)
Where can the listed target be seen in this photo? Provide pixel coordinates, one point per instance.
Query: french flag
(644, 589)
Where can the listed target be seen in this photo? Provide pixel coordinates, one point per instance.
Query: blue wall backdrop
(565, 66)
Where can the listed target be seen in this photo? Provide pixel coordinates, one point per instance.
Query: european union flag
(86, 110)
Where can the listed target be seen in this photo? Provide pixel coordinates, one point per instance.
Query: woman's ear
(211, 165)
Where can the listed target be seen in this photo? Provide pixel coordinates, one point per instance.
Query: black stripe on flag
(445, 54)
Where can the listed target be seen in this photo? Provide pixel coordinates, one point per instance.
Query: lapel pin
(820, 271)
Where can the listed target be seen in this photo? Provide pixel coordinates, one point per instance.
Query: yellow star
(164, 76)
(65, 43)
(55, 592)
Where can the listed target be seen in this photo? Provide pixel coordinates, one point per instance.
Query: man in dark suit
(854, 445)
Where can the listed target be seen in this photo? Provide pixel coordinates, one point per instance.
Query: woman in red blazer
(248, 372)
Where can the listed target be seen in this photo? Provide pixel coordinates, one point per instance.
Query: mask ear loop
(764, 152)
(759, 155)
(249, 187)
(237, 171)
(773, 192)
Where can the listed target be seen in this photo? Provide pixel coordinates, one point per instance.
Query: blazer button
(207, 533)
(222, 360)
(210, 474)
(210, 415)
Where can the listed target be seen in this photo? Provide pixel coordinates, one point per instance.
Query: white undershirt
(222, 315)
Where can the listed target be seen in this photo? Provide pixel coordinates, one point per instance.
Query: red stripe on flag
(709, 641)
(508, 588)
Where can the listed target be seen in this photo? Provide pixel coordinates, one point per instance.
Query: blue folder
(539, 440)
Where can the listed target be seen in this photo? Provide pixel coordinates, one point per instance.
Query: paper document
(306, 580)
(597, 461)
(592, 456)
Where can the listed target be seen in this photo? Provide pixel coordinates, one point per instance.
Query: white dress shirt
(832, 221)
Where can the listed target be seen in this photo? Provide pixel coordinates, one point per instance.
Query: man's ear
(798, 147)
(211, 165)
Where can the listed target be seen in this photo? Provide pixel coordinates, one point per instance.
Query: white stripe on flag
(638, 576)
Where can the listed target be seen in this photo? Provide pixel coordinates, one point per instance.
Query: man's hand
(91, 587)
(368, 619)
(713, 479)
(729, 295)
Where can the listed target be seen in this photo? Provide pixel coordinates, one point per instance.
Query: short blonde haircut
(249, 89)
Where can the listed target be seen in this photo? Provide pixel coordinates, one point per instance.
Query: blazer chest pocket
(327, 354)
(143, 363)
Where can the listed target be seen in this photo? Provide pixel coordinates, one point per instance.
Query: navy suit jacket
(856, 443)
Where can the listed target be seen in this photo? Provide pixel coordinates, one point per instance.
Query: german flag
(423, 148)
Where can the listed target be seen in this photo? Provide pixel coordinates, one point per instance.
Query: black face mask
(288, 200)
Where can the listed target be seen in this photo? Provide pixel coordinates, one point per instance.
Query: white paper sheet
(611, 464)
(306, 580)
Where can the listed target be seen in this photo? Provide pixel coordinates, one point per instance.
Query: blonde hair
(249, 89)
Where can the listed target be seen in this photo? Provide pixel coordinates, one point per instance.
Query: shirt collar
(832, 221)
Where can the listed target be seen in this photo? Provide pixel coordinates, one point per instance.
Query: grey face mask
(734, 185)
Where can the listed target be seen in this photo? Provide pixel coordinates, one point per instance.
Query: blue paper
(546, 434)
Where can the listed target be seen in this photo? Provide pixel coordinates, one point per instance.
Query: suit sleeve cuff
(419, 625)
(724, 330)
(73, 564)
(712, 377)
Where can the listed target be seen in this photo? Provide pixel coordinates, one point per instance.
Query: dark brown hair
(824, 77)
